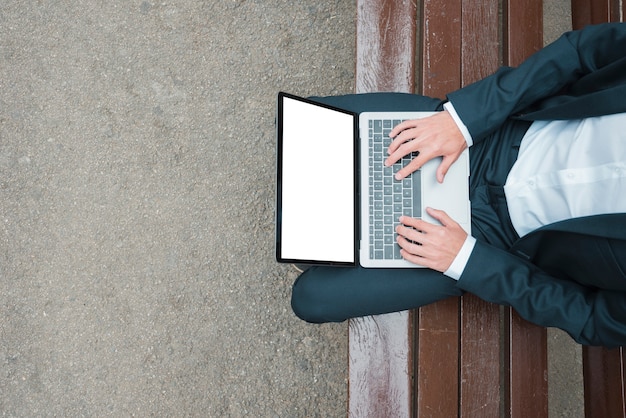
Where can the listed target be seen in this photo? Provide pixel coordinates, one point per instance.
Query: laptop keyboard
(388, 198)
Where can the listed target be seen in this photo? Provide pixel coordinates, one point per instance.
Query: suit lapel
(565, 107)
(611, 226)
(598, 93)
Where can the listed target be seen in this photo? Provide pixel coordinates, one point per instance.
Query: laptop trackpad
(445, 196)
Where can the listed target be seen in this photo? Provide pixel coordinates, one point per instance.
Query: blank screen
(317, 195)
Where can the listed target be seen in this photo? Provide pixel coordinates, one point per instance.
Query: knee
(309, 301)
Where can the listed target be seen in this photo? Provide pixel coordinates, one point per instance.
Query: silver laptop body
(336, 202)
(384, 199)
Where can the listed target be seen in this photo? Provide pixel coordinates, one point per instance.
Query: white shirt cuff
(458, 265)
(468, 138)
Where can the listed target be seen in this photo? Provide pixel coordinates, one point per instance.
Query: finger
(409, 246)
(415, 259)
(441, 216)
(408, 221)
(401, 127)
(395, 156)
(415, 164)
(409, 234)
(416, 224)
(399, 141)
(404, 150)
(415, 254)
(443, 168)
(412, 131)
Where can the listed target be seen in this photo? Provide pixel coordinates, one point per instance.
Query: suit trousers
(334, 294)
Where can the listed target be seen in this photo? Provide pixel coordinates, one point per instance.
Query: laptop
(337, 204)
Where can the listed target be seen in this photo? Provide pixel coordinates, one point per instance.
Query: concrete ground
(137, 275)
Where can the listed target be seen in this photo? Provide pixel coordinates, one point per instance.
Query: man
(547, 184)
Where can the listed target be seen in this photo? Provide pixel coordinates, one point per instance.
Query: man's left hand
(430, 245)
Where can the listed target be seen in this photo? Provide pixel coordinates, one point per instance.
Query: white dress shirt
(565, 169)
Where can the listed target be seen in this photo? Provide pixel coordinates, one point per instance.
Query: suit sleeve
(590, 316)
(483, 106)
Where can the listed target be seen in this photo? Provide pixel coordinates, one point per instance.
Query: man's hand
(429, 245)
(434, 136)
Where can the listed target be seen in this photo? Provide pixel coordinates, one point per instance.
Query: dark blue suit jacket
(569, 274)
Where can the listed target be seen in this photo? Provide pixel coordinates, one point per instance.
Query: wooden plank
(526, 358)
(523, 34)
(480, 40)
(480, 393)
(437, 378)
(591, 12)
(526, 369)
(441, 51)
(381, 348)
(380, 366)
(603, 373)
(385, 46)
(437, 374)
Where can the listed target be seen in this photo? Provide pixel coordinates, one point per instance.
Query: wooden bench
(460, 357)
(604, 371)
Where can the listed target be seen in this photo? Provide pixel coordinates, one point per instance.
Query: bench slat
(381, 347)
(437, 374)
(385, 46)
(603, 372)
(526, 369)
(480, 358)
(380, 366)
(591, 12)
(523, 34)
(526, 345)
(480, 321)
(437, 365)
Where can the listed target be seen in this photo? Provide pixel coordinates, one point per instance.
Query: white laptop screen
(316, 184)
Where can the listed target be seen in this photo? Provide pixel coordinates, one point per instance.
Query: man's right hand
(434, 136)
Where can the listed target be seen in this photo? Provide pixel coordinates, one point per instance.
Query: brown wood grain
(437, 374)
(480, 53)
(480, 321)
(591, 12)
(526, 360)
(441, 47)
(381, 347)
(526, 368)
(437, 332)
(604, 370)
(480, 358)
(523, 30)
(380, 366)
(385, 46)
(603, 374)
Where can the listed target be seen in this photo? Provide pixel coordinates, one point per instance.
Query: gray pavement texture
(137, 208)
(137, 275)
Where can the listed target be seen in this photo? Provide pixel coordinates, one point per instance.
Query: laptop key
(417, 195)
